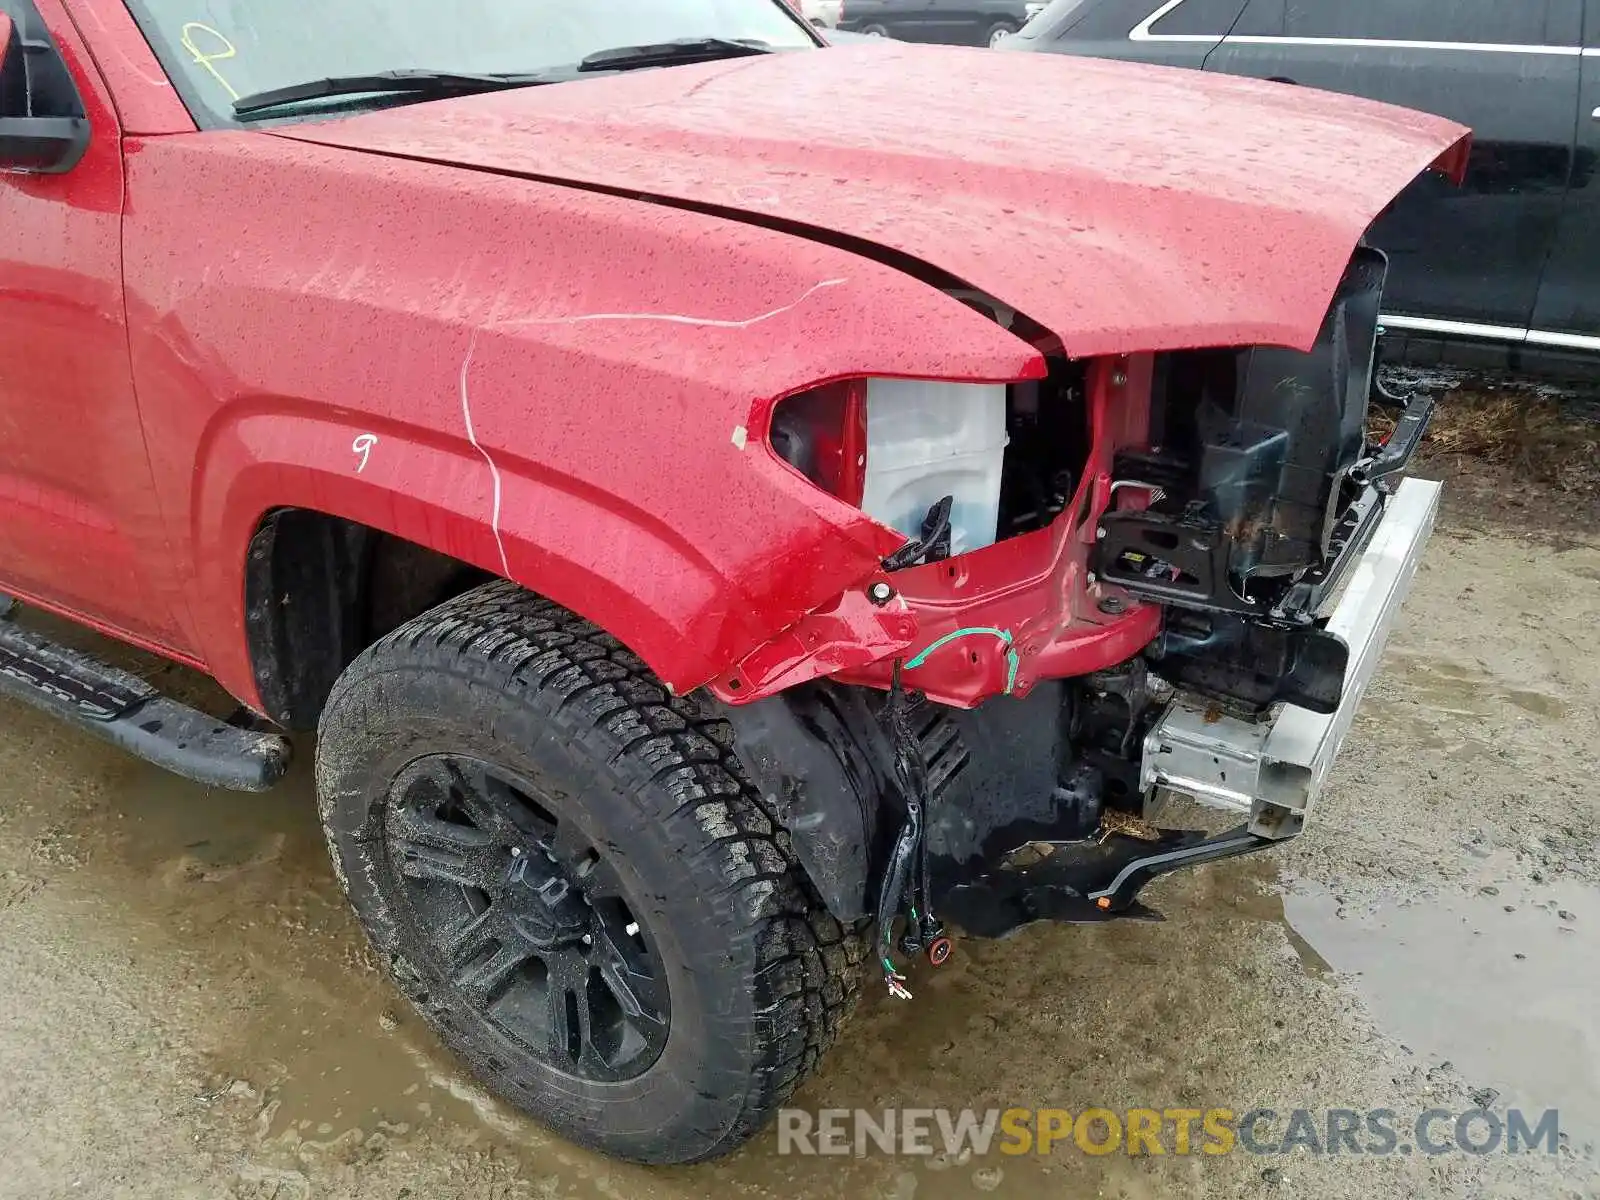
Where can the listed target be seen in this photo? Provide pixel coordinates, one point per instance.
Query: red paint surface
(79, 526)
(1125, 207)
(242, 307)
(607, 400)
(145, 98)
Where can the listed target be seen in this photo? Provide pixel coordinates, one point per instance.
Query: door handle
(1595, 115)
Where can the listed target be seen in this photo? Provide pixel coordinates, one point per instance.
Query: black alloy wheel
(527, 917)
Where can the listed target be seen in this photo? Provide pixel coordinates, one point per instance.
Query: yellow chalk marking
(208, 60)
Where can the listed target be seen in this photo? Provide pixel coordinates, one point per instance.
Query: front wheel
(566, 871)
(999, 32)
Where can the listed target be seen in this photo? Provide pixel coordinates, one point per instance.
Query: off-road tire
(760, 976)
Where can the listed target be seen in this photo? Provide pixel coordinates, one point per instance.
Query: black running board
(127, 712)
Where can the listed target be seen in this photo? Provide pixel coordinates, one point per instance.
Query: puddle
(1507, 997)
(1251, 888)
(373, 1082)
(323, 1039)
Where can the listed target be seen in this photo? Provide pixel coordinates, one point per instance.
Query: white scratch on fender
(677, 319)
(472, 436)
(756, 193)
(741, 437)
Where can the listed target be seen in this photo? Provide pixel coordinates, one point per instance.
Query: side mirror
(36, 145)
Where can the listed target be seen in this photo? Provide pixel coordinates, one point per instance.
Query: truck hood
(1122, 207)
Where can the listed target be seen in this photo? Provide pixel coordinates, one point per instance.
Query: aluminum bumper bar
(1274, 770)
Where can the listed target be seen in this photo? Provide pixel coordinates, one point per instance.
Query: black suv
(1504, 271)
(956, 22)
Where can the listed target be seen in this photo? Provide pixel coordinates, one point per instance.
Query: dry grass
(1539, 438)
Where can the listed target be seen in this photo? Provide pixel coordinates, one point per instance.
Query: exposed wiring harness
(1013, 659)
(906, 879)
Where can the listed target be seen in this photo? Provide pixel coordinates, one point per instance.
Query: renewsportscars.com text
(1178, 1131)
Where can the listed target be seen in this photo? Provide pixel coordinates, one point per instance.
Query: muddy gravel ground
(188, 1010)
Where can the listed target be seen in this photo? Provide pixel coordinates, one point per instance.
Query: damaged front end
(1167, 572)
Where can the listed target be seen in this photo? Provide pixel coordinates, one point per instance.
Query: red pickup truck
(726, 506)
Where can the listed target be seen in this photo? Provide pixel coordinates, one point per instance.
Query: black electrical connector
(932, 546)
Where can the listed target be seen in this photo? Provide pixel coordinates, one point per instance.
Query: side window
(1262, 18)
(1492, 22)
(1213, 18)
(34, 81)
(1064, 17)
(1058, 13)
(1143, 20)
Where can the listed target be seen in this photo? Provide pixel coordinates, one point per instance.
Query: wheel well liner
(321, 589)
(818, 754)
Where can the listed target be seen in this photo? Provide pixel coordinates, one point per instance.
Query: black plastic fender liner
(304, 583)
(804, 750)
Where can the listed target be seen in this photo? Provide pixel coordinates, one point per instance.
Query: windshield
(221, 50)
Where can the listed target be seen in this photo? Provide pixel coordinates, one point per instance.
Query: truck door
(79, 525)
(1567, 315)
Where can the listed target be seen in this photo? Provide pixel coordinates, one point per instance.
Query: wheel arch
(286, 548)
(320, 589)
(334, 558)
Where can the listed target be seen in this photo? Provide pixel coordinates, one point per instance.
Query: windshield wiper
(670, 54)
(406, 82)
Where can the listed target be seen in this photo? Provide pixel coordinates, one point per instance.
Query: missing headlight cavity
(1047, 423)
(1252, 449)
(995, 461)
